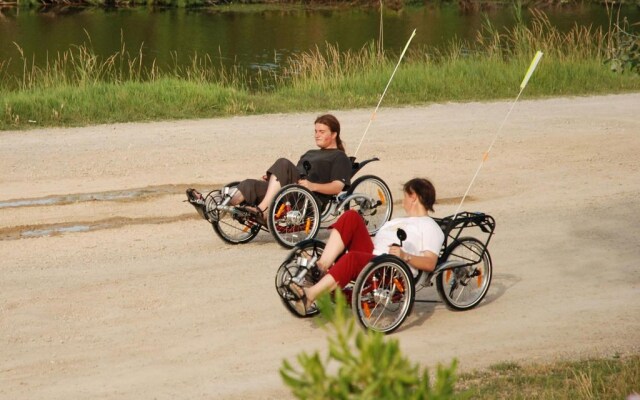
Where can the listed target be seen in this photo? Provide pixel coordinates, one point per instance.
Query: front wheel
(463, 288)
(294, 216)
(373, 202)
(295, 267)
(383, 294)
(231, 227)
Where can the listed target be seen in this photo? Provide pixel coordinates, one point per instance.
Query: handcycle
(383, 294)
(296, 213)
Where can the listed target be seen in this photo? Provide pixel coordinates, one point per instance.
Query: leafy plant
(367, 365)
(624, 49)
(623, 46)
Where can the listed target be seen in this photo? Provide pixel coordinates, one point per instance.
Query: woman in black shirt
(325, 171)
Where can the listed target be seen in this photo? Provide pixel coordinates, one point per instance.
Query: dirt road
(111, 288)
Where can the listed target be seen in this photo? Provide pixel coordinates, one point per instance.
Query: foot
(259, 215)
(302, 303)
(195, 197)
(197, 200)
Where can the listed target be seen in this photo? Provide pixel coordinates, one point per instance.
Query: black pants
(253, 190)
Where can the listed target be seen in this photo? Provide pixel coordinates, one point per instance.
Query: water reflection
(255, 40)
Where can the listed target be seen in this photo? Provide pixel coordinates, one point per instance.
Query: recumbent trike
(296, 213)
(383, 294)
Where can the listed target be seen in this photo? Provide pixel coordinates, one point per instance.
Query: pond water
(257, 40)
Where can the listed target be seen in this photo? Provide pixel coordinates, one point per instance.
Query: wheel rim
(291, 267)
(235, 229)
(376, 214)
(295, 217)
(466, 286)
(384, 308)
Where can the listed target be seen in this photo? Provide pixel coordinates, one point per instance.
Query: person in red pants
(420, 249)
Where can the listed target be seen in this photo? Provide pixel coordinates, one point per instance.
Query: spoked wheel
(295, 268)
(375, 203)
(383, 294)
(294, 216)
(464, 287)
(232, 227)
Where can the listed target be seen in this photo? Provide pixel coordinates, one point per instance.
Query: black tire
(234, 229)
(294, 216)
(383, 309)
(377, 213)
(464, 288)
(291, 267)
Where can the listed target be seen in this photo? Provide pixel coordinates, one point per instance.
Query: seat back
(475, 224)
(357, 166)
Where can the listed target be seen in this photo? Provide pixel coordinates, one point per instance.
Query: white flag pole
(485, 156)
(373, 116)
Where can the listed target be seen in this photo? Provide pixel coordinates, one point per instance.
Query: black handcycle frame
(294, 219)
(459, 257)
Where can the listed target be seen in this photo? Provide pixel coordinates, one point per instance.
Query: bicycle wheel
(383, 294)
(374, 202)
(294, 216)
(234, 228)
(295, 267)
(463, 288)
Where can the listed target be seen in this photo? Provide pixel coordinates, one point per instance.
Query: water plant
(96, 89)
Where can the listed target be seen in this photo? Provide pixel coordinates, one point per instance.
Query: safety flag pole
(485, 155)
(373, 116)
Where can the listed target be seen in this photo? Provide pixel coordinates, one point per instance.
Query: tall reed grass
(604, 379)
(78, 87)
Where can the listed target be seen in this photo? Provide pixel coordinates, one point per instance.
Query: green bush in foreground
(367, 365)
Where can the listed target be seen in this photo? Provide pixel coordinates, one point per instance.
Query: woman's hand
(305, 183)
(330, 188)
(425, 261)
(398, 252)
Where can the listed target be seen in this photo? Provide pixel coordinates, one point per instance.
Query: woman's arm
(425, 261)
(325, 188)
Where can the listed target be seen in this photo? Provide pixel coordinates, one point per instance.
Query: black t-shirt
(327, 165)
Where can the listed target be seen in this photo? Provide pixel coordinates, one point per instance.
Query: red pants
(357, 241)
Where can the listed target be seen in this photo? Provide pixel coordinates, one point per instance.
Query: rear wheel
(383, 294)
(375, 203)
(295, 266)
(294, 216)
(464, 288)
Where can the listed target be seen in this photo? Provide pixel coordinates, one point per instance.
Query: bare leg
(326, 284)
(272, 190)
(332, 250)
(237, 198)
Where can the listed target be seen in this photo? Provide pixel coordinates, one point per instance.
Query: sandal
(195, 197)
(196, 200)
(301, 298)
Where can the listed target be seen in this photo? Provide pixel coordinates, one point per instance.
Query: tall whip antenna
(485, 156)
(373, 116)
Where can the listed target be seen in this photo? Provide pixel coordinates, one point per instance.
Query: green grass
(612, 378)
(79, 88)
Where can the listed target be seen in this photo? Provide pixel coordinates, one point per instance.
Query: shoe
(197, 201)
(195, 197)
(300, 298)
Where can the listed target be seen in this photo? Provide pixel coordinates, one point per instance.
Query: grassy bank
(612, 378)
(391, 4)
(79, 88)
